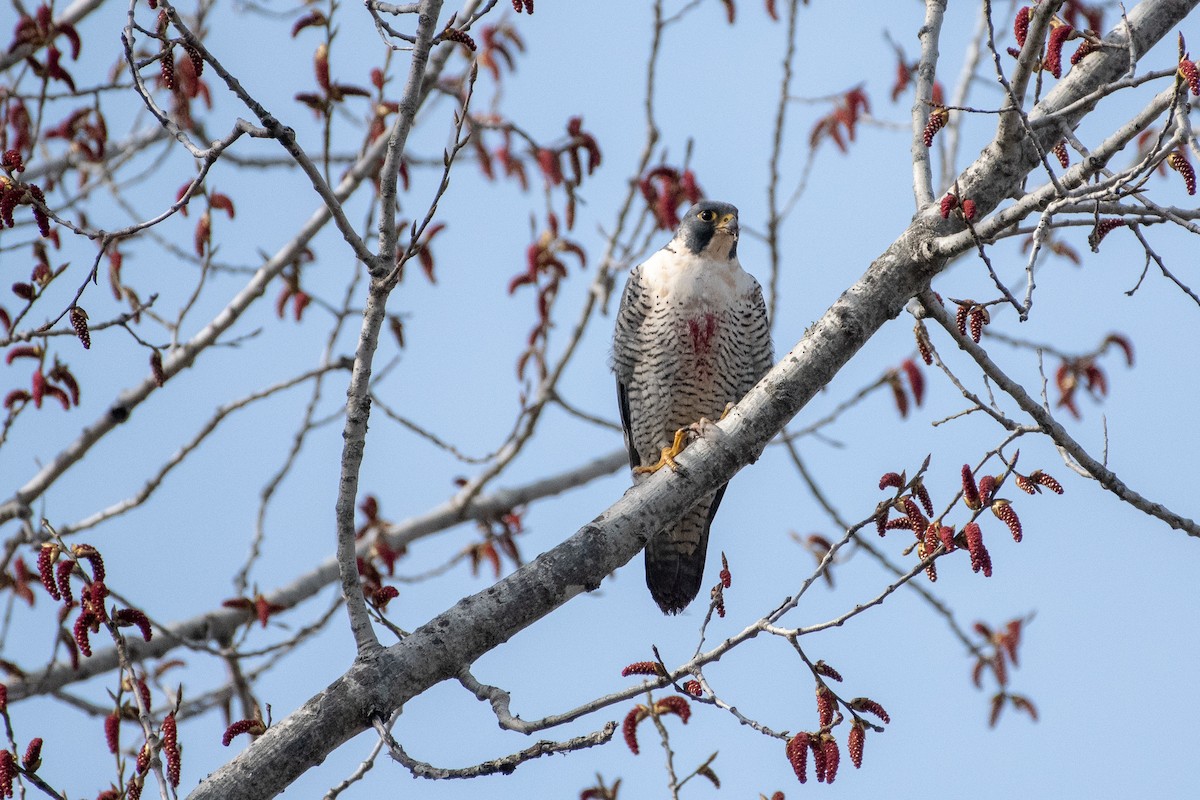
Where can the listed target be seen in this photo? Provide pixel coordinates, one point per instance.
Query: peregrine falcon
(692, 337)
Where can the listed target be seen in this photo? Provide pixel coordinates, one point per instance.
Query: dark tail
(675, 557)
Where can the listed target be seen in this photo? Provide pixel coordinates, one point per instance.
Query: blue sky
(1111, 591)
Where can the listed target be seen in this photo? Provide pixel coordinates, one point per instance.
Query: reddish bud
(1024, 704)
(462, 37)
(916, 380)
(980, 558)
(891, 479)
(832, 757)
(923, 345)
(916, 519)
(868, 706)
(949, 203)
(8, 771)
(968, 209)
(548, 163)
(112, 732)
(1189, 73)
(937, 120)
(78, 319)
(63, 575)
(156, 368)
(1178, 161)
(644, 668)
(854, 743)
(166, 66)
(1054, 46)
(1085, 49)
(797, 755)
(979, 318)
(1102, 229)
(960, 316)
(126, 617)
(946, 537)
(47, 555)
(825, 706)
(1004, 512)
(1039, 477)
(80, 631)
(1021, 25)
(987, 486)
(970, 490)
(254, 727)
(93, 557)
(629, 726)
(726, 576)
(1060, 150)
(693, 688)
(33, 756)
(307, 21)
(674, 705)
(821, 668)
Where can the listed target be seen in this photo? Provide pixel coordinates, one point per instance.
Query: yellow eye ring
(707, 215)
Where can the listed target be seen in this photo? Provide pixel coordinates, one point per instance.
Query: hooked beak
(729, 225)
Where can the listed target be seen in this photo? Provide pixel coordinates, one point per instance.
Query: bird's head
(710, 229)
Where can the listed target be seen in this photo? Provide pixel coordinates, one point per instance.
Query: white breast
(689, 282)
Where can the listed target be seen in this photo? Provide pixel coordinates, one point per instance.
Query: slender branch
(1053, 429)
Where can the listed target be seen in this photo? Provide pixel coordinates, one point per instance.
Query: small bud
(825, 706)
(33, 756)
(47, 555)
(1189, 73)
(156, 367)
(858, 736)
(937, 120)
(891, 479)
(1085, 49)
(112, 732)
(949, 203)
(821, 668)
(674, 704)
(1054, 45)
(1041, 478)
(868, 706)
(923, 344)
(254, 727)
(832, 757)
(629, 726)
(980, 558)
(1060, 151)
(987, 486)
(970, 490)
(797, 755)
(643, 668)
(1004, 512)
(1102, 229)
(1179, 162)
(979, 318)
(961, 315)
(1021, 25)
(78, 319)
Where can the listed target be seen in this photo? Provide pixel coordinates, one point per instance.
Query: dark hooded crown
(710, 228)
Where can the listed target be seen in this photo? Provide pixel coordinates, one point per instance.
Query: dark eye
(708, 215)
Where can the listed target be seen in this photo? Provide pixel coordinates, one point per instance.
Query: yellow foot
(725, 413)
(667, 458)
